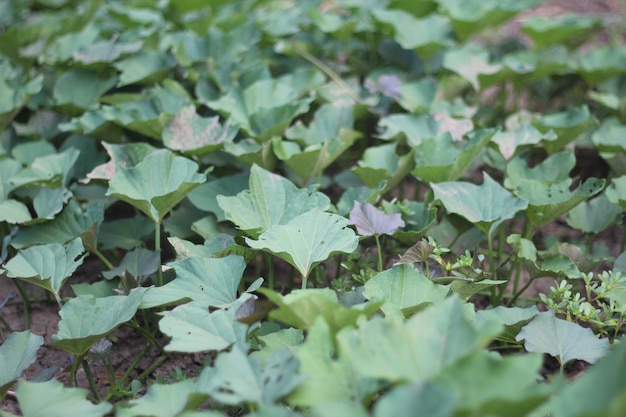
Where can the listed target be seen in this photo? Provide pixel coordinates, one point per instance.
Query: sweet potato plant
(346, 207)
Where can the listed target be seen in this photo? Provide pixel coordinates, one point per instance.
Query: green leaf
(485, 205)
(419, 348)
(509, 384)
(417, 216)
(562, 339)
(19, 89)
(52, 399)
(14, 212)
(598, 392)
(71, 223)
(194, 329)
(616, 191)
(567, 125)
(601, 63)
(194, 135)
(237, 378)
(85, 320)
(594, 216)
(545, 31)
(469, 17)
(125, 233)
(47, 266)
(271, 200)
(425, 36)
(472, 62)
(609, 136)
(17, 352)
(73, 100)
(327, 124)
(513, 319)
(48, 171)
(138, 263)
(156, 184)
(126, 155)
(404, 289)
(381, 163)
(301, 308)
(329, 377)
(205, 196)
(266, 108)
(161, 400)
(144, 67)
(310, 162)
(442, 159)
(308, 239)
(423, 399)
(212, 281)
(526, 136)
(547, 186)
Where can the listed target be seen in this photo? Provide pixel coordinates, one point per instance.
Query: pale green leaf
(71, 223)
(85, 320)
(594, 216)
(212, 281)
(47, 266)
(237, 378)
(17, 352)
(271, 200)
(423, 399)
(14, 212)
(418, 349)
(562, 339)
(194, 135)
(308, 239)
(156, 184)
(193, 328)
(205, 196)
(485, 205)
(404, 290)
(52, 399)
(161, 400)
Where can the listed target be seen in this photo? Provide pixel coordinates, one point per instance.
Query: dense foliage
(399, 172)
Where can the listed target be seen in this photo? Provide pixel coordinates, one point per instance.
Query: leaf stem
(92, 383)
(270, 270)
(77, 361)
(152, 367)
(328, 71)
(380, 254)
(25, 301)
(157, 248)
(494, 299)
(103, 258)
(134, 363)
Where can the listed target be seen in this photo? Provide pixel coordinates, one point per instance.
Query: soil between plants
(129, 343)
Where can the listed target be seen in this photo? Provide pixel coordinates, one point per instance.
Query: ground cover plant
(355, 208)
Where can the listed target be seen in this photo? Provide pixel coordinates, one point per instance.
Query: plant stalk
(380, 254)
(157, 248)
(25, 301)
(92, 383)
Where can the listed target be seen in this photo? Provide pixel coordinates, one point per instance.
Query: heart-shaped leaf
(17, 352)
(47, 266)
(370, 221)
(85, 320)
(195, 135)
(485, 205)
(156, 184)
(308, 239)
(562, 339)
(212, 281)
(271, 200)
(237, 378)
(193, 328)
(51, 398)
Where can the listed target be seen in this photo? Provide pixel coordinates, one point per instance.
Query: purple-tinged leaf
(370, 221)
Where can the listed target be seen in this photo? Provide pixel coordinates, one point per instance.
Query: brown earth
(128, 343)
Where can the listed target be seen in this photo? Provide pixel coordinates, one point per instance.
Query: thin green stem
(152, 367)
(74, 370)
(157, 248)
(328, 71)
(380, 253)
(517, 294)
(270, 270)
(494, 299)
(6, 325)
(305, 281)
(92, 383)
(103, 258)
(135, 362)
(25, 301)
